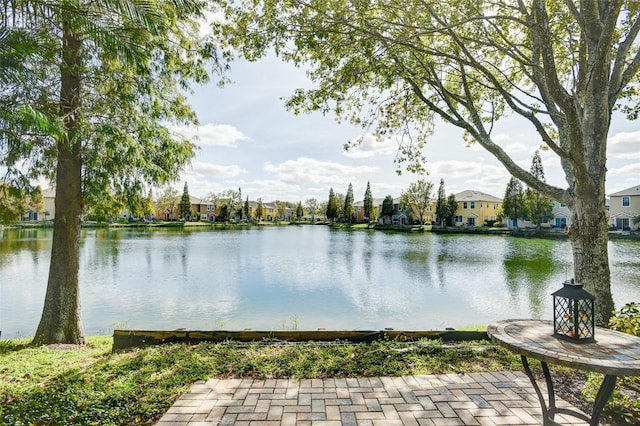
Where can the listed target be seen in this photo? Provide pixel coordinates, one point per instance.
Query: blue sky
(249, 140)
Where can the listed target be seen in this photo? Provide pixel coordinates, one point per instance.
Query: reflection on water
(263, 278)
(529, 265)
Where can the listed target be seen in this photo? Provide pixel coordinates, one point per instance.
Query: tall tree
(12, 203)
(322, 208)
(332, 206)
(368, 203)
(166, 203)
(239, 205)
(224, 212)
(441, 204)
(348, 210)
(538, 206)
(387, 208)
(560, 67)
(185, 204)
(259, 210)
(247, 209)
(147, 207)
(513, 204)
(299, 212)
(113, 76)
(36, 201)
(417, 198)
(232, 199)
(281, 212)
(339, 198)
(451, 209)
(313, 208)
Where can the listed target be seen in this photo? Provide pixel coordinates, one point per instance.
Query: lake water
(297, 277)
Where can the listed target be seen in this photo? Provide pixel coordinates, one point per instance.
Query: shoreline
(546, 233)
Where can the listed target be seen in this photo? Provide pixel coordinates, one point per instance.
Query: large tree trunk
(589, 239)
(588, 130)
(60, 321)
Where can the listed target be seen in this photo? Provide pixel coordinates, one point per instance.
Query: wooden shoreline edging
(123, 339)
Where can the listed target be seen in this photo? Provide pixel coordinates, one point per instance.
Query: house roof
(374, 201)
(470, 195)
(634, 190)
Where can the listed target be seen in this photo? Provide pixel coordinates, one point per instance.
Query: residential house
(205, 210)
(476, 208)
(200, 210)
(358, 208)
(49, 196)
(272, 213)
(624, 206)
(398, 217)
(428, 215)
(49, 211)
(269, 210)
(561, 215)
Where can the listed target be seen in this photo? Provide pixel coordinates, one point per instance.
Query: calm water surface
(297, 277)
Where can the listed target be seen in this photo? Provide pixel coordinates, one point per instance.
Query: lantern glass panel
(573, 313)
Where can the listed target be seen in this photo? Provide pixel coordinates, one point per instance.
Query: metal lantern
(573, 313)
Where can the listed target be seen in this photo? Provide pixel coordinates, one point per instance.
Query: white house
(624, 206)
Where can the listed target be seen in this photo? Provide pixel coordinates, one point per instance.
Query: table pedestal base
(549, 411)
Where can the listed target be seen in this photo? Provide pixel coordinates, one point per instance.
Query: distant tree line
(527, 204)
(414, 202)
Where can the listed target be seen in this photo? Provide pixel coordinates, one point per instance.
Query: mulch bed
(569, 386)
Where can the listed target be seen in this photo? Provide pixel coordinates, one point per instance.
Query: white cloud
(371, 146)
(305, 170)
(517, 148)
(550, 160)
(624, 145)
(501, 138)
(200, 168)
(198, 187)
(224, 135)
(631, 170)
(454, 169)
(271, 190)
(469, 175)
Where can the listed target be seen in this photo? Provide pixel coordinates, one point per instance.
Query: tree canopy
(89, 108)
(441, 204)
(387, 207)
(332, 206)
(348, 210)
(185, 203)
(539, 207)
(513, 204)
(417, 198)
(561, 67)
(368, 203)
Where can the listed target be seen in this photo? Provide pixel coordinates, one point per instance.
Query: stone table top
(613, 353)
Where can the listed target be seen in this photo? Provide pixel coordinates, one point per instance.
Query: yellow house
(476, 208)
(49, 196)
(48, 211)
(624, 206)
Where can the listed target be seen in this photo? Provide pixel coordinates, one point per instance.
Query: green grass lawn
(93, 385)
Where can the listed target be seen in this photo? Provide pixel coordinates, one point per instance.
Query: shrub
(625, 400)
(627, 319)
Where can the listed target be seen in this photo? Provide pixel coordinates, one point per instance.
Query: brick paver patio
(505, 398)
